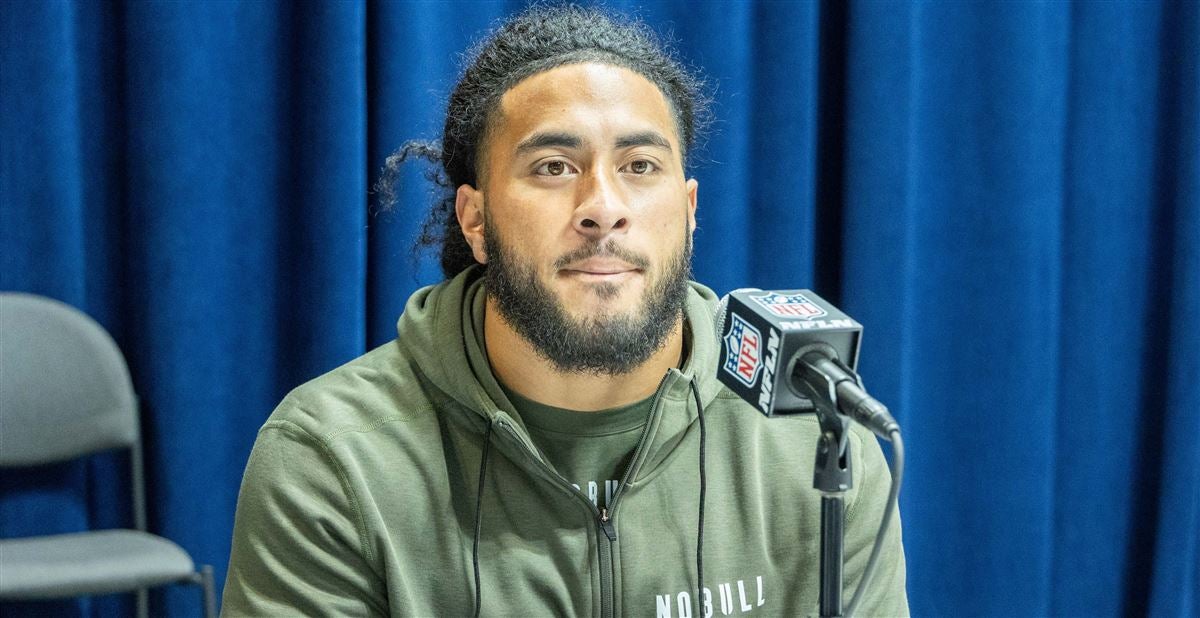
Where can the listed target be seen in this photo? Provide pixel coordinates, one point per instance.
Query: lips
(601, 267)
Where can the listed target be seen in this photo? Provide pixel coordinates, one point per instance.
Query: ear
(692, 187)
(468, 207)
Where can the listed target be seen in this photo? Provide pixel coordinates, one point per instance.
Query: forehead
(592, 99)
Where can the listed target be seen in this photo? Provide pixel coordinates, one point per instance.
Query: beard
(595, 344)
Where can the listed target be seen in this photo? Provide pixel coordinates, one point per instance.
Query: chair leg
(143, 603)
(210, 591)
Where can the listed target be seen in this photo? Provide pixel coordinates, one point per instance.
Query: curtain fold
(1007, 196)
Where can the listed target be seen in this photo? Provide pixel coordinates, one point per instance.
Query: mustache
(608, 249)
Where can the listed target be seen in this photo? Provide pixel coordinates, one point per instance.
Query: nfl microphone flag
(761, 333)
(790, 351)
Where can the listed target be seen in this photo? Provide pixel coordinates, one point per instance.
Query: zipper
(607, 526)
(638, 453)
(605, 521)
(606, 533)
(605, 549)
(606, 530)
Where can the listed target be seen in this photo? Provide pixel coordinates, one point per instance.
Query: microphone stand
(832, 477)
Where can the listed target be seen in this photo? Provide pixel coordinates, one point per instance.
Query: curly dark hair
(536, 40)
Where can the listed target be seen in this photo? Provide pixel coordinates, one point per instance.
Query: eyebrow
(644, 138)
(559, 139)
(549, 140)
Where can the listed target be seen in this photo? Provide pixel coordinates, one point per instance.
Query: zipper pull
(607, 526)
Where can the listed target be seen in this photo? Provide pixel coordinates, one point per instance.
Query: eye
(641, 167)
(554, 168)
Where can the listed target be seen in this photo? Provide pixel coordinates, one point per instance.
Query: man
(530, 443)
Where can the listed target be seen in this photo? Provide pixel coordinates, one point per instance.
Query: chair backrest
(64, 386)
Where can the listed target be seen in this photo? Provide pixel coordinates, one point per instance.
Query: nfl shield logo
(790, 305)
(743, 349)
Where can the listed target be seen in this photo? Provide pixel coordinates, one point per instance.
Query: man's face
(584, 215)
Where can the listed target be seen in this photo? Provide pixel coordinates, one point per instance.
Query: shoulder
(374, 389)
(792, 437)
(788, 430)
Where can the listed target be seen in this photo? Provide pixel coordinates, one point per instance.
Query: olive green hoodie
(362, 491)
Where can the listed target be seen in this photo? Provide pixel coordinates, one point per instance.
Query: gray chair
(65, 392)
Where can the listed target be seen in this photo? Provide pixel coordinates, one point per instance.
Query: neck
(518, 365)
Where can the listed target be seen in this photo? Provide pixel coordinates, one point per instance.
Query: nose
(602, 209)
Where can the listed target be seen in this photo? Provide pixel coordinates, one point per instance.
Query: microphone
(791, 351)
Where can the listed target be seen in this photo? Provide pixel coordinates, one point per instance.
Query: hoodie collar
(439, 330)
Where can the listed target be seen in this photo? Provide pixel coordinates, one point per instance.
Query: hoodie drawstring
(700, 516)
(483, 460)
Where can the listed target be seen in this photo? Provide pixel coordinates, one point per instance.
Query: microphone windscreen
(719, 318)
(723, 311)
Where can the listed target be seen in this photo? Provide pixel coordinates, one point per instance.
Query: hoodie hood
(452, 311)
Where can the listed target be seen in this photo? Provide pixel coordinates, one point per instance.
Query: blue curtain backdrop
(1007, 195)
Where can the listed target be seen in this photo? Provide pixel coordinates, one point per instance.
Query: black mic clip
(832, 472)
